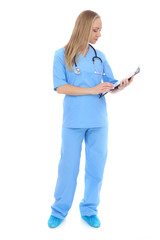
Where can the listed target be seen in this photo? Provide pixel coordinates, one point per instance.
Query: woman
(84, 117)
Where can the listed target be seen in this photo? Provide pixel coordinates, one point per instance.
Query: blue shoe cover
(54, 222)
(93, 221)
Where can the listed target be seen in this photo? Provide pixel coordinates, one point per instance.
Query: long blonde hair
(79, 39)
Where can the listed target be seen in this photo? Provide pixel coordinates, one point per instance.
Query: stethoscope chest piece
(77, 70)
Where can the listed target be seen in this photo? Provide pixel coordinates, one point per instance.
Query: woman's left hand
(124, 83)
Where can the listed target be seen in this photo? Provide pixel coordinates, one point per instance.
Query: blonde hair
(80, 36)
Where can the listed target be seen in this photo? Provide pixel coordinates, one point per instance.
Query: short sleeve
(59, 76)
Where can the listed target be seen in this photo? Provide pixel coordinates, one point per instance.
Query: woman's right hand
(102, 88)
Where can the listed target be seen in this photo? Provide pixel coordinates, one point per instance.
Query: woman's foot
(93, 220)
(54, 222)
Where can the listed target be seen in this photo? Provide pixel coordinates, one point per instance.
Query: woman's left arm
(107, 69)
(124, 83)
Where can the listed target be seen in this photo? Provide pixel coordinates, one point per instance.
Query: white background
(31, 119)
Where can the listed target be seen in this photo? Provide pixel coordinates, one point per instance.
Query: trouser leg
(96, 140)
(68, 169)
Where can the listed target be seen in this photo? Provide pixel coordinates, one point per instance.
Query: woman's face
(96, 31)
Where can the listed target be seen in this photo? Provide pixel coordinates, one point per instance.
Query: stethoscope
(77, 70)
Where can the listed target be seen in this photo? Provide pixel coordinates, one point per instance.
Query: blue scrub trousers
(96, 154)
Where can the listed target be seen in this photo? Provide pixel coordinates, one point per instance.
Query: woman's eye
(96, 30)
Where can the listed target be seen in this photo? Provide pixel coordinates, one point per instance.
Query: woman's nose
(98, 34)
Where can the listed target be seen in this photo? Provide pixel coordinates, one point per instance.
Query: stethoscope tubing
(77, 70)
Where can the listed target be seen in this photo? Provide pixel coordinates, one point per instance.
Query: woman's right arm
(74, 91)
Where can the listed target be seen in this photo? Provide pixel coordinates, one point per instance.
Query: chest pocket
(96, 79)
(97, 71)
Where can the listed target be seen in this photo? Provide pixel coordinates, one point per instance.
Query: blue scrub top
(82, 111)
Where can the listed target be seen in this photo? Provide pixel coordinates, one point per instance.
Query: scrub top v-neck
(82, 111)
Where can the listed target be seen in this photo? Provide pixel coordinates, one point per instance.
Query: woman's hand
(124, 83)
(102, 87)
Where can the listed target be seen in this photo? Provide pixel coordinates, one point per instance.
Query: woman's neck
(85, 51)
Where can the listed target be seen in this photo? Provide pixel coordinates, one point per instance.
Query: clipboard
(117, 83)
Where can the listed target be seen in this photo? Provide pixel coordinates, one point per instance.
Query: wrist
(91, 90)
